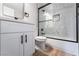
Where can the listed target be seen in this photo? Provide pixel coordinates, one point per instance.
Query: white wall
(32, 9)
(0, 9)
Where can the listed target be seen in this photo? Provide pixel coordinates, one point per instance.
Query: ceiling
(41, 4)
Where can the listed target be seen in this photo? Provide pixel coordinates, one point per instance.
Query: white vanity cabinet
(10, 44)
(29, 44)
(16, 39)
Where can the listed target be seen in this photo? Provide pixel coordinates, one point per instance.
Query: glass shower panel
(45, 27)
(45, 13)
(58, 21)
(52, 29)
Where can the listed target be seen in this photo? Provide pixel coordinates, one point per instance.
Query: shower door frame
(77, 6)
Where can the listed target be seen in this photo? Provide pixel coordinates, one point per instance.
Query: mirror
(58, 21)
(14, 10)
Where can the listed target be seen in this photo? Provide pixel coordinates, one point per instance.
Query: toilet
(40, 42)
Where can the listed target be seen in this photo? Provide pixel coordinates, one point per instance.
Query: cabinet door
(11, 44)
(29, 44)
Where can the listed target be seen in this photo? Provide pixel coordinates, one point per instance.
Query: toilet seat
(40, 38)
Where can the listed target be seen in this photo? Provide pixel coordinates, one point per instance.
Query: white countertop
(14, 20)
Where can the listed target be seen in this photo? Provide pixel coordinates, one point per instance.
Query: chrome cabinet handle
(21, 39)
(26, 38)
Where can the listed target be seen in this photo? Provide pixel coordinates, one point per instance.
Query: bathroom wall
(0, 9)
(32, 9)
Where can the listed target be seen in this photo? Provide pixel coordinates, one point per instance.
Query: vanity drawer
(7, 26)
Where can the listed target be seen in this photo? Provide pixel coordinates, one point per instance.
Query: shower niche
(58, 21)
